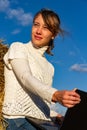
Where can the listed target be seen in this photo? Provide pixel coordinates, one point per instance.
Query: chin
(36, 45)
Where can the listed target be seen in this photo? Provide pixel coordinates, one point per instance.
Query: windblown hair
(52, 21)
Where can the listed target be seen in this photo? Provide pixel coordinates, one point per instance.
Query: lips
(37, 37)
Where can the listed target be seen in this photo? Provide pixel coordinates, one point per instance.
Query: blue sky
(70, 52)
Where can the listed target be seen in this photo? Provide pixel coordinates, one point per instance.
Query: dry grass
(3, 50)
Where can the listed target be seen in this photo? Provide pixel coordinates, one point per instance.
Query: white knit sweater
(28, 90)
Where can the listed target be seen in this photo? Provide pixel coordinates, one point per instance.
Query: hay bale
(3, 50)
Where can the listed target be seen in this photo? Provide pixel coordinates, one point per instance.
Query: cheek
(33, 30)
(48, 37)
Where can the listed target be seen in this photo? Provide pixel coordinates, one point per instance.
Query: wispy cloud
(55, 62)
(79, 67)
(72, 53)
(77, 52)
(80, 53)
(18, 14)
(4, 5)
(16, 31)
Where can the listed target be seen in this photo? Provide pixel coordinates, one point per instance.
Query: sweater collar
(39, 51)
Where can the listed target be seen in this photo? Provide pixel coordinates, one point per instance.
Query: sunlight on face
(41, 35)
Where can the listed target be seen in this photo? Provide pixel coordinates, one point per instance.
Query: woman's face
(41, 35)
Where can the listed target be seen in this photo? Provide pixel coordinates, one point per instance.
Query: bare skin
(67, 98)
(40, 33)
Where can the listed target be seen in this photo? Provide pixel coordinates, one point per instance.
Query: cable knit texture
(18, 102)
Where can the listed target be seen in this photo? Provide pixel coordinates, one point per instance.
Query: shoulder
(16, 44)
(16, 50)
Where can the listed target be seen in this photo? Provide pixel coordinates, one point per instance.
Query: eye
(35, 24)
(45, 27)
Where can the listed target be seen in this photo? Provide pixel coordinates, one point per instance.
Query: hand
(66, 98)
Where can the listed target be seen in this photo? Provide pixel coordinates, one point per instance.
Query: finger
(74, 94)
(69, 105)
(71, 96)
(70, 102)
(74, 98)
(74, 89)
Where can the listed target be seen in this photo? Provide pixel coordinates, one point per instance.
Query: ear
(53, 37)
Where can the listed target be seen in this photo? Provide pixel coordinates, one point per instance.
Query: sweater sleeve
(27, 80)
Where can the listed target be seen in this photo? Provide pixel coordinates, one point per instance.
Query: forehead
(39, 18)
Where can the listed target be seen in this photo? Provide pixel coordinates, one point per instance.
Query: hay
(3, 50)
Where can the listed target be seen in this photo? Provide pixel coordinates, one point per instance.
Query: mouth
(37, 37)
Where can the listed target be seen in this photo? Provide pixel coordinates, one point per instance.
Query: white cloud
(56, 62)
(18, 14)
(16, 31)
(79, 67)
(4, 5)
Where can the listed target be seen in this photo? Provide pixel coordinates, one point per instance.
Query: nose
(39, 30)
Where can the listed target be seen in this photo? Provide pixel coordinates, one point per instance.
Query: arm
(23, 73)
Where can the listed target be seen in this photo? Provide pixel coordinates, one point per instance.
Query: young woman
(29, 75)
